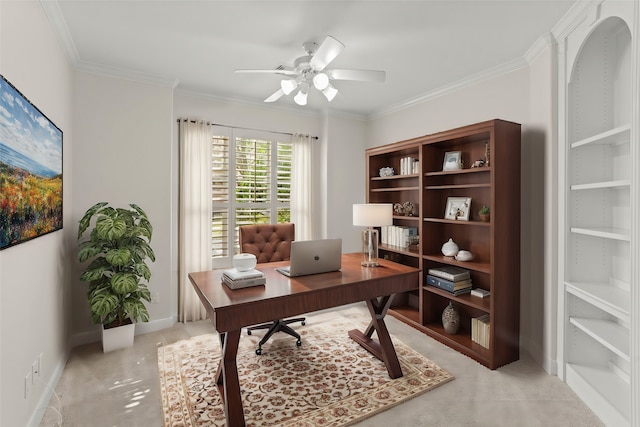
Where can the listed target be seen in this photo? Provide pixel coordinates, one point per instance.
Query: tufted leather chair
(270, 243)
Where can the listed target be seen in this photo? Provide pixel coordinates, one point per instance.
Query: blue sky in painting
(25, 130)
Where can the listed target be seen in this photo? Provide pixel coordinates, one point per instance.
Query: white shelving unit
(598, 240)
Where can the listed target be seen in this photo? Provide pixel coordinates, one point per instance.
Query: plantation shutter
(251, 184)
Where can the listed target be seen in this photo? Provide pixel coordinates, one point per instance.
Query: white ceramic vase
(450, 248)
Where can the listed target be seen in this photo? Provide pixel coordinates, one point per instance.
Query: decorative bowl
(244, 262)
(464, 256)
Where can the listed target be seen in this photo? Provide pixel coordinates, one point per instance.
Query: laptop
(313, 257)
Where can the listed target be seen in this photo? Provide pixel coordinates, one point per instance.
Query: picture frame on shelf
(452, 161)
(458, 208)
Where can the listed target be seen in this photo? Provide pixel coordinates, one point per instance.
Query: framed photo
(458, 208)
(30, 170)
(452, 161)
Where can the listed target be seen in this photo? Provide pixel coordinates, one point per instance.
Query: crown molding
(577, 13)
(539, 46)
(490, 73)
(107, 71)
(56, 18)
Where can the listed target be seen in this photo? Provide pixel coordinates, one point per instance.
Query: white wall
(123, 155)
(34, 278)
(512, 97)
(539, 299)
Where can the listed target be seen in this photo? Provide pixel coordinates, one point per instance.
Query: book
(450, 272)
(448, 285)
(243, 283)
(234, 274)
(479, 292)
(480, 330)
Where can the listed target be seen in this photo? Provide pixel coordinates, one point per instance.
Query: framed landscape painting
(30, 170)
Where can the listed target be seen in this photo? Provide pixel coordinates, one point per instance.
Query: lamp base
(370, 264)
(370, 248)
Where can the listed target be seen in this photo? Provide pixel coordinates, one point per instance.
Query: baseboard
(47, 394)
(88, 337)
(536, 353)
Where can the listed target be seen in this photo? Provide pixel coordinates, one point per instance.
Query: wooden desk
(282, 297)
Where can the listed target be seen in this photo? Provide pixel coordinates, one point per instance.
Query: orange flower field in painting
(30, 205)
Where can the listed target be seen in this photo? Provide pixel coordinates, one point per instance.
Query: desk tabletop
(285, 297)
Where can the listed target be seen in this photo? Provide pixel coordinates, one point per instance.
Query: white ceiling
(424, 46)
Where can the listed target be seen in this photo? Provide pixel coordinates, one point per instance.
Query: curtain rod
(238, 127)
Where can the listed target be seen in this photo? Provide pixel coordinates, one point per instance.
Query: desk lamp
(371, 215)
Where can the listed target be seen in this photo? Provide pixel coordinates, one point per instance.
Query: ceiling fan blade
(275, 96)
(362, 75)
(275, 71)
(327, 52)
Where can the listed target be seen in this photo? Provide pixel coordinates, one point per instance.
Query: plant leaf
(86, 219)
(124, 283)
(109, 228)
(103, 303)
(118, 257)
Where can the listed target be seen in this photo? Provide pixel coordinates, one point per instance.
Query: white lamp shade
(300, 98)
(288, 86)
(330, 92)
(373, 214)
(321, 81)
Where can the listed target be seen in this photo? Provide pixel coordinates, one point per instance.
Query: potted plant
(484, 213)
(118, 249)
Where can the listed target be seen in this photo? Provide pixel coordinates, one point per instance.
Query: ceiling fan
(310, 71)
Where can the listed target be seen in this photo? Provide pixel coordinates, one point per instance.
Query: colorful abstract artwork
(30, 170)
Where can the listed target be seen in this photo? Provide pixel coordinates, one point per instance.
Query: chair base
(279, 325)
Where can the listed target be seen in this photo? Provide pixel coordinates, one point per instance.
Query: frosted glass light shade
(372, 214)
(288, 86)
(330, 92)
(321, 81)
(300, 98)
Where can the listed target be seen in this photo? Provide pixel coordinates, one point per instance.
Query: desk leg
(227, 379)
(383, 349)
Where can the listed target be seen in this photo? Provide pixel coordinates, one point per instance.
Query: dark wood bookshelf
(495, 244)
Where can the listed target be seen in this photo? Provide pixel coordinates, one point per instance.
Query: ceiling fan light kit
(309, 71)
(288, 85)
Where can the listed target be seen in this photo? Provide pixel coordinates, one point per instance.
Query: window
(258, 190)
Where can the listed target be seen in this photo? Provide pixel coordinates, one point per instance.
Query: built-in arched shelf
(597, 205)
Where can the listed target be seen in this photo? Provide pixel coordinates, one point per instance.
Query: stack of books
(452, 279)
(480, 330)
(395, 235)
(235, 279)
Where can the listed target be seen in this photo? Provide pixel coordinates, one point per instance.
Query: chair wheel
(248, 332)
(298, 343)
(304, 323)
(259, 351)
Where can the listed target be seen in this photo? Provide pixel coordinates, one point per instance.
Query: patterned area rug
(329, 381)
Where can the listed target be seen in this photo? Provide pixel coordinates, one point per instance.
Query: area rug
(329, 381)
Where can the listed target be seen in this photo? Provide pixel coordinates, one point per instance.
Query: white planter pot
(117, 338)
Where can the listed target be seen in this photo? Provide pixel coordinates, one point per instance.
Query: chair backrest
(268, 242)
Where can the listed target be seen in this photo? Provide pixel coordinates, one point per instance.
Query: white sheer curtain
(301, 189)
(195, 213)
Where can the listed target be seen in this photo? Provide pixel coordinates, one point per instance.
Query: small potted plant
(484, 213)
(118, 248)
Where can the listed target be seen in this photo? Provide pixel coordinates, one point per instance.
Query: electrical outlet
(28, 382)
(155, 297)
(34, 371)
